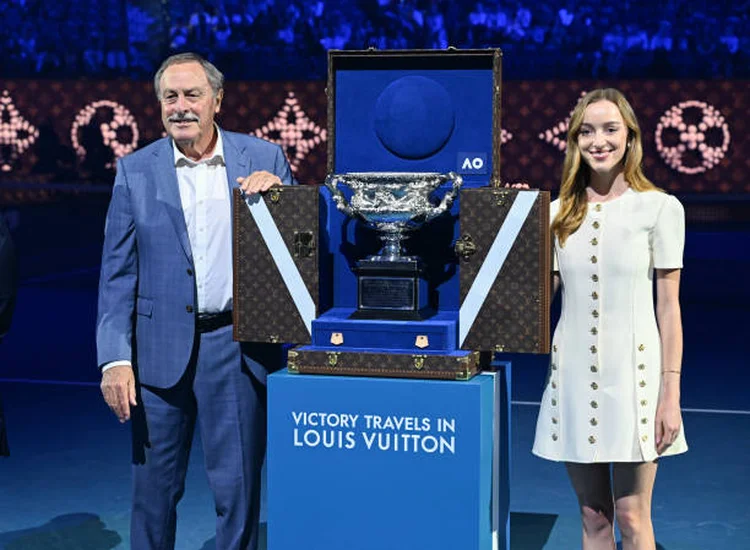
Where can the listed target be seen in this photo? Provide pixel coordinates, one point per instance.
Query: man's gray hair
(214, 75)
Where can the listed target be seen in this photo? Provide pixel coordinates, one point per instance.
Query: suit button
(190, 272)
(189, 309)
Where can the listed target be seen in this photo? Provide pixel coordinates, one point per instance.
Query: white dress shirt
(204, 194)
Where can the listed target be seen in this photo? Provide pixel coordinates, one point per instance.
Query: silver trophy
(390, 283)
(393, 203)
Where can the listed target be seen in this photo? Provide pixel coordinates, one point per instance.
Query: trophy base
(391, 289)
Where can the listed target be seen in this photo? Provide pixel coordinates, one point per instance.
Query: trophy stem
(392, 248)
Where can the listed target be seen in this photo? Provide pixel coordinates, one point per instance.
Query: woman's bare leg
(592, 486)
(633, 487)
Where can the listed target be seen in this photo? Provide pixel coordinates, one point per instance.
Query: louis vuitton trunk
(458, 365)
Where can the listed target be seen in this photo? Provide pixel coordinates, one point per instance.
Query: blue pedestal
(374, 464)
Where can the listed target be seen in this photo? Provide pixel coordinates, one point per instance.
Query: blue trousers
(219, 392)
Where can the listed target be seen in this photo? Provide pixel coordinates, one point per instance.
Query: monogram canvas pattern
(263, 306)
(515, 314)
(393, 365)
(530, 154)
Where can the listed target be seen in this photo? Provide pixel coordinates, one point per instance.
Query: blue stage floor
(66, 485)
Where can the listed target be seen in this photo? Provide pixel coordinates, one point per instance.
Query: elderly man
(164, 334)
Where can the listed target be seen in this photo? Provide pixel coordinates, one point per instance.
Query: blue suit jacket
(147, 294)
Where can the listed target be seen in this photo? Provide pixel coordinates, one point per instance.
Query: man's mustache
(183, 117)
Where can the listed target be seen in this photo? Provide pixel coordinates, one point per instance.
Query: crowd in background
(287, 39)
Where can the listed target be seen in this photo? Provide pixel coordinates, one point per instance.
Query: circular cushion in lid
(414, 117)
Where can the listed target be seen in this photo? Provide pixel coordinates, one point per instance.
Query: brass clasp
(274, 193)
(291, 361)
(465, 247)
(501, 196)
(304, 244)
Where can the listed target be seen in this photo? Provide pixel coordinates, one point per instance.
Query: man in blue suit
(164, 334)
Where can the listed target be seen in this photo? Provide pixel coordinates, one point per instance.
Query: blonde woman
(611, 405)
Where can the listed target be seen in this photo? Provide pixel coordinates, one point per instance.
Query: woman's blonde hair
(576, 174)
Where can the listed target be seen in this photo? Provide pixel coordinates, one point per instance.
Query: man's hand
(258, 181)
(118, 389)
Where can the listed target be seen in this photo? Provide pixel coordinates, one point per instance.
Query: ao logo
(472, 163)
(477, 163)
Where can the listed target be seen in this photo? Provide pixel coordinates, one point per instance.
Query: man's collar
(216, 157)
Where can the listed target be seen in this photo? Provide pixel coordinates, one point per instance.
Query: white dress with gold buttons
(599, 404)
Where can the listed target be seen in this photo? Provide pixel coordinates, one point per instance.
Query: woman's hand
(668, 423)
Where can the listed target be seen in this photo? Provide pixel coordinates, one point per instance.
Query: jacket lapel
(236, 158)
(238, 165)
(168, 193)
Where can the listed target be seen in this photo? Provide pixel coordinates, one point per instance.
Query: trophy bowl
(393, 203)
(391, 285)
